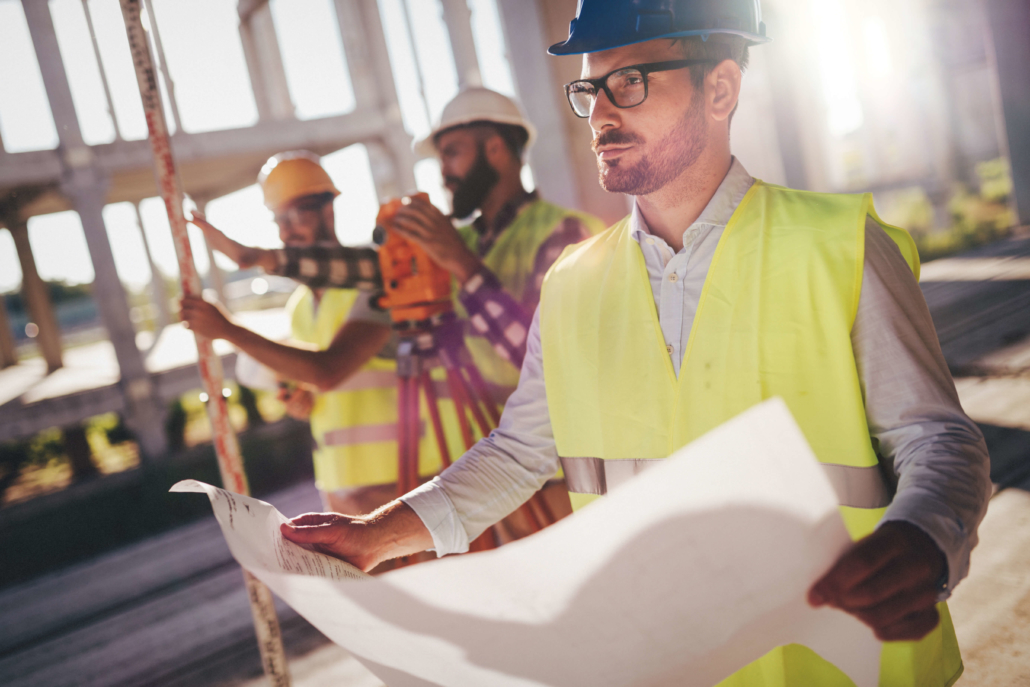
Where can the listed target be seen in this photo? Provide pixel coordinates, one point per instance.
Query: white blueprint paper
(679, 577)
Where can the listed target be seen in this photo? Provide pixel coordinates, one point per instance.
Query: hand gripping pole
(230, 463)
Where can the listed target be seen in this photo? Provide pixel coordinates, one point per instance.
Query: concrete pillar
(159, 48)
(264, 62)
(158, 291)
(372, 92)
(364, 42)
(1010, 25)
(86, 187)
(36, 297)
(551, 158)
(458, 18)
(79, 453)
(215, 278)
(145, 414)
(8, 354)
(567, 142)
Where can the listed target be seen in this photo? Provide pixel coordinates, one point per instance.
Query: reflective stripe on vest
(855, 487)
(354, 425)
(387, 379)
(369, 379)
(365, 434)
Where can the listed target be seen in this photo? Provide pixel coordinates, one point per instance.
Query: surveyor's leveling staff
(230, 463)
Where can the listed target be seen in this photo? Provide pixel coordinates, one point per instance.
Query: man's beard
(674, 153)
(325, 233)
(474, 187)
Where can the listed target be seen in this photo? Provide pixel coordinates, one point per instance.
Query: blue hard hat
(607, 24)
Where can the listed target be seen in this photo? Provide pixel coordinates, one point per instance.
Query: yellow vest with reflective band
(774, 319)
(355, 429)
(512, 259)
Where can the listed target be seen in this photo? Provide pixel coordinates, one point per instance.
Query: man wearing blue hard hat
(718, 292)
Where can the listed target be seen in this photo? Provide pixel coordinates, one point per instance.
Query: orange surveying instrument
(418, 294)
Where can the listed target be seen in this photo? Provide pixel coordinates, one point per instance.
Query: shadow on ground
(1010, 456)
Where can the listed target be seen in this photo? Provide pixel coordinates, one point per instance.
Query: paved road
(171, 610)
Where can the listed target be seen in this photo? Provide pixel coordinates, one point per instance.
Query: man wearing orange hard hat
(498, 260)
(340, 360)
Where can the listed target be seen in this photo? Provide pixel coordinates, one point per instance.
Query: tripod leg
(484, 542)
(402, 436)
(433, 403)
(537, 505)
(473, 403)
(414, 431)
(458, 396)
(481, 388)
(531, 515)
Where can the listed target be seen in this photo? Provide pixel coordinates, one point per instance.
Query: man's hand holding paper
(710, 572)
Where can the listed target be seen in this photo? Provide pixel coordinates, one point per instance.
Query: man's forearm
(329, 265)
(500, 472)
(354, 346)
(399, 531)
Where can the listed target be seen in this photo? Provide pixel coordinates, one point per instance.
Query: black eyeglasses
(625, 87)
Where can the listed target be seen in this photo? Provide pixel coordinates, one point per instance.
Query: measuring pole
(230, 463)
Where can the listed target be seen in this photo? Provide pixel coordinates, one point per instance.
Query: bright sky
(212, 89)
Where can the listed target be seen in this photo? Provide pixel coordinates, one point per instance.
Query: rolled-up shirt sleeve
(499, 473)
(924, 438)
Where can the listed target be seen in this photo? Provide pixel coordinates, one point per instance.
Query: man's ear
(722, 89)
(496, 151)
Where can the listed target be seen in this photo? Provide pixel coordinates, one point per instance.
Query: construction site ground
(171, 610)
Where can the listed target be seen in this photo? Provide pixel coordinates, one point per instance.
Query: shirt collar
(720, 208)
(507, 214)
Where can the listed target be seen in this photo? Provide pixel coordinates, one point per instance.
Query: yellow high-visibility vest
(512, 260)
(355, 428)
(774, 319)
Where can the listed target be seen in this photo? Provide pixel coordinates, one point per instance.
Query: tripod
(439, 342)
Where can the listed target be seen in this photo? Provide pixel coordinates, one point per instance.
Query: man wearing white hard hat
(498, 260)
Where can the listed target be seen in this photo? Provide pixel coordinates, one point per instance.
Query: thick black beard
(474, 187)
(677, 151)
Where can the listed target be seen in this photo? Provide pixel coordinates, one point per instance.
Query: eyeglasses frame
(646, 68)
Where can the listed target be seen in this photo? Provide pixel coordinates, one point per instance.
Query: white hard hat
(475, 105)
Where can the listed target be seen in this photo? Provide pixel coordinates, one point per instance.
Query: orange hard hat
(292, 175)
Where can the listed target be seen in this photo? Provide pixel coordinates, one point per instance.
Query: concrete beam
(259, 141)
(458, 19)
(37, 299)
(1010, 25)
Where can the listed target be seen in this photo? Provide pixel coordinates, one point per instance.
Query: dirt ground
(991, 608)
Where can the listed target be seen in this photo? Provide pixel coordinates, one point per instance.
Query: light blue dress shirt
(922, 435)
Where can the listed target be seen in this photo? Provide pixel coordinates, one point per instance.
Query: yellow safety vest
(355, 428)
(511, 259)
(774, 319)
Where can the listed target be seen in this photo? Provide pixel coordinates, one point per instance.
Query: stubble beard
(670, 157)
